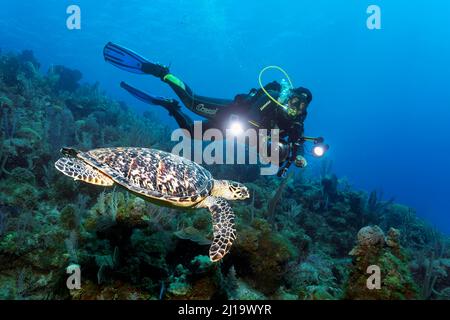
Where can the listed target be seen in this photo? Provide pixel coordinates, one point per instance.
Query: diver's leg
(185, 122)
(131, 61)
(171, 105)
(182, 119)
(204, 106)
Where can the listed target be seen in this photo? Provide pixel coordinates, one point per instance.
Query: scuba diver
(259, 109)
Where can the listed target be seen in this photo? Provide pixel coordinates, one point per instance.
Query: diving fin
(130, 61)
(170, 105)
(147, 98)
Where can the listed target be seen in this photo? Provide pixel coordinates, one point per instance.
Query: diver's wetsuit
(255, 108)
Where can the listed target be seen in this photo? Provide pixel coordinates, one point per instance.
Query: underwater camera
(318, 150)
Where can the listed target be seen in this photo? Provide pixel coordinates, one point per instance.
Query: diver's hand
(282, 172)
(300, 162)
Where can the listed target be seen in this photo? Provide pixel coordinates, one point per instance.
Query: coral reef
(374, 249)
(294, 234)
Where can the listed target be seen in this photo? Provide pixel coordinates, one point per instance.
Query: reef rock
(372, 250)
(370, 236)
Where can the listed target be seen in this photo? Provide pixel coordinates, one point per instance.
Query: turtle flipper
(79, 170)
(223, 226)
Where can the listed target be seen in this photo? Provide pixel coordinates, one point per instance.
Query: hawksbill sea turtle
(162, 178)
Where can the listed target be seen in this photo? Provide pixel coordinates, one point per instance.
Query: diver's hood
(303, 94)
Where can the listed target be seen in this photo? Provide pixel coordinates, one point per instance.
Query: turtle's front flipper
(223, 226)
(79, 170)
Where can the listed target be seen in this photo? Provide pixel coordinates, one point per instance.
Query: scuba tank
(284, 92)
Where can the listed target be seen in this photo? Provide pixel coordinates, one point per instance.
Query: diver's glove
(300, 161)
(282, 172)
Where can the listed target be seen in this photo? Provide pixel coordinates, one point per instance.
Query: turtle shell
(153, 173)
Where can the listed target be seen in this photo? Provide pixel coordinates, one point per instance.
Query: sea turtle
(162, 178)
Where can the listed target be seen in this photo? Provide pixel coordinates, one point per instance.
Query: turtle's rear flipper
(223, 226)
(79, 170)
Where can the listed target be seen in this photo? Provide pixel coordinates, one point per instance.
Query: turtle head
(230, 190)
(69, 152)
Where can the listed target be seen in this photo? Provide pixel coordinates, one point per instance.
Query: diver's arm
(298, 150)
(295, 134)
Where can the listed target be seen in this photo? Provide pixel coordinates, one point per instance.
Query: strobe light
(236, 128)
(319, 150)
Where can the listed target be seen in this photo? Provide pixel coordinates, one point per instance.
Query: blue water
(381, 97)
